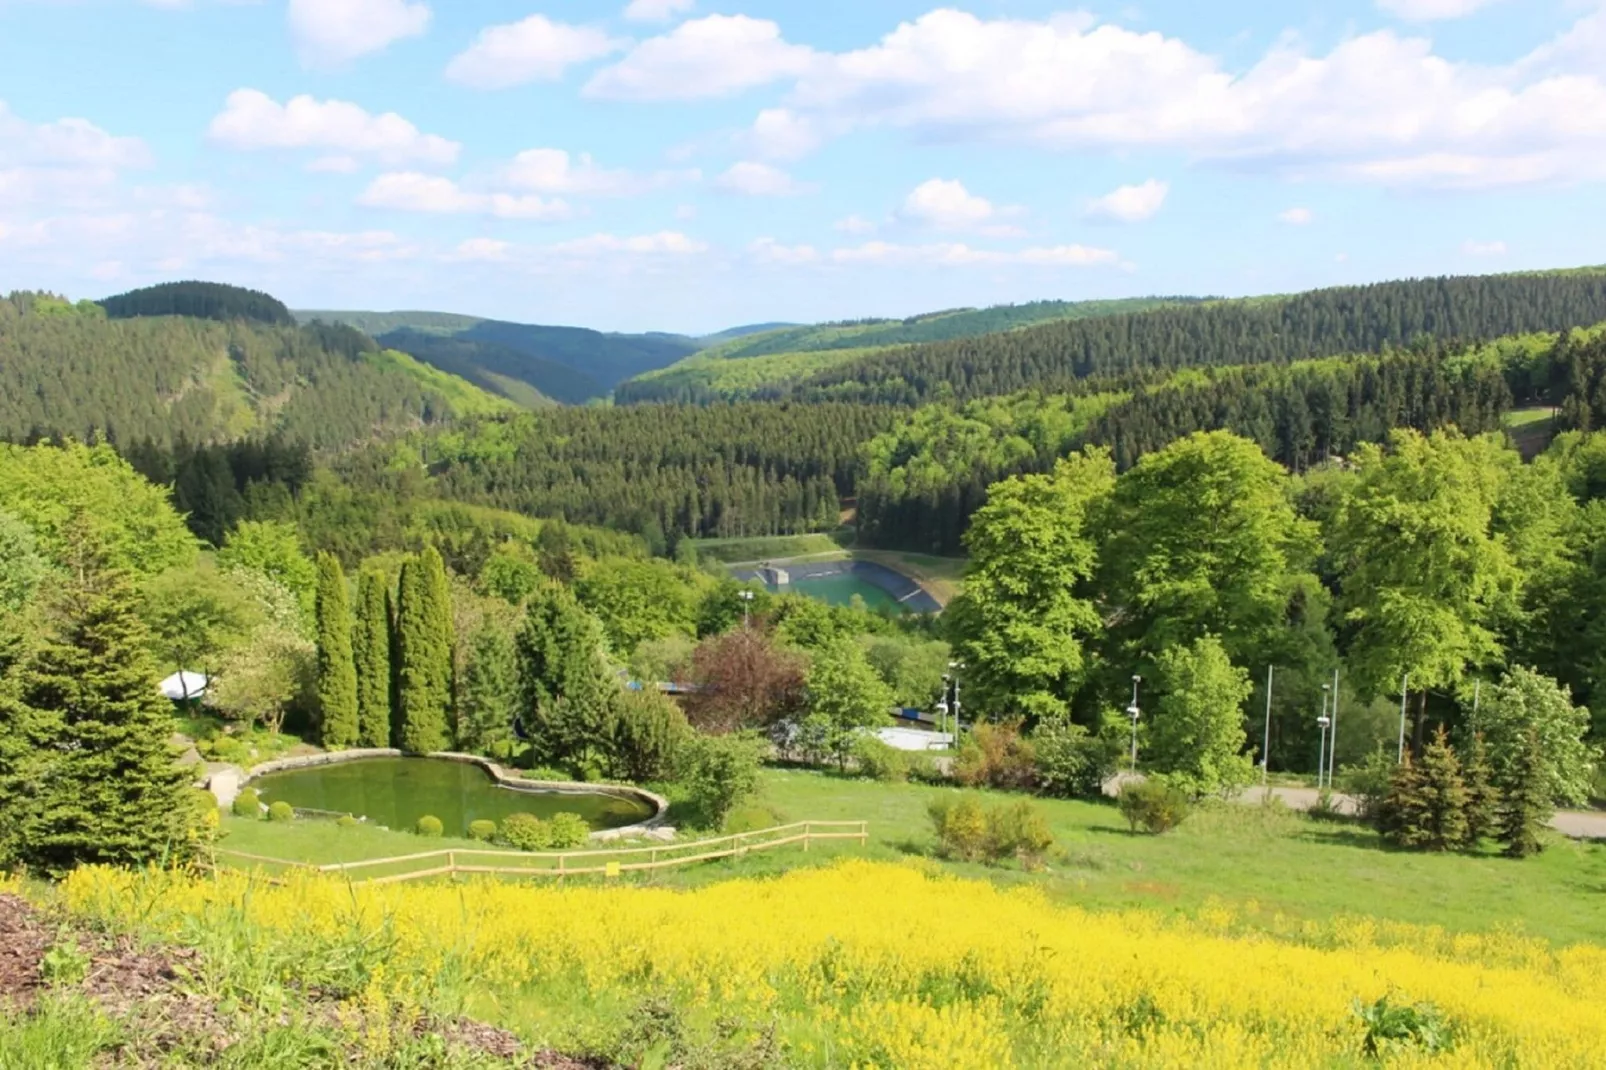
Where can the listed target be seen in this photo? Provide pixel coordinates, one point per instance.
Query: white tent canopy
(185, 685)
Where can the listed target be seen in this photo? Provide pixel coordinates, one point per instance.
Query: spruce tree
(371, 657)
(1483, 798)
(1446, 795)
(487, 698)
(1404, 817)
(1526, 805)
(424, 650)
(566, 693)
(337, 672)
(110, 790)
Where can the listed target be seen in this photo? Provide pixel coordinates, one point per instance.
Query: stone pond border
(503, 777)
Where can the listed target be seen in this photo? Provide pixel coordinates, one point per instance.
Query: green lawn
(1276, 867)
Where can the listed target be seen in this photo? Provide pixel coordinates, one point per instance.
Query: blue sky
(688, 165)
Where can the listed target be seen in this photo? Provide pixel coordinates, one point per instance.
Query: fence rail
(560, 864)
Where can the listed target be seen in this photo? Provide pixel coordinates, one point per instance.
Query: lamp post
(1323, 721)
(954, 668)
(1265, 744)
(1133, 712)
(747, 604)
(1405, 692)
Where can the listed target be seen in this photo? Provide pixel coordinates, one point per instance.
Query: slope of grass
(464, 397)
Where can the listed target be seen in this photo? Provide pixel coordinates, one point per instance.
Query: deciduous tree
(1197, 736)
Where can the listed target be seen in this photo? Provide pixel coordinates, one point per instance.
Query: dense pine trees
(199, 300)
(339, 725)
(423, 656)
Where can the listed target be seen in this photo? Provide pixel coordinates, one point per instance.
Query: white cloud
(66, 142)
(483, 250)
(947, 205)
(555, 171)
(1378, 108)
(664, 243)
(686, 212)
(1433, 10)
(533, 50)
(1130, 204)
(409, 191)
(950, 254)
(779, 134)
(657, 10)
(1296, 217)
(251, 119)
(335, 165)
(770, 251)
(336, 31)
(751, 179)
(717, 56)
(1483, 248)
(855, 224)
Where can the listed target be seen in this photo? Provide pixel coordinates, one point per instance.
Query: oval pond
(396, 792)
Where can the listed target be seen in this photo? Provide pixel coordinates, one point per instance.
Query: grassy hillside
(73, 370)
(770, 362)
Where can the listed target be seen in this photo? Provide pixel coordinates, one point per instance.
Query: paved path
(1579, 824)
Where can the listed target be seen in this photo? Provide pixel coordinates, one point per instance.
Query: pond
(839, 582)
(840, 590)
(396, 792)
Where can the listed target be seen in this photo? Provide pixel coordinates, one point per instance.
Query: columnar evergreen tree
(1526, 805)
(371, 656)
(424, 652)
(566, 693)
(109, 790)
(1426, 807)
(487, 700)
(337, 671)
(1483, 798)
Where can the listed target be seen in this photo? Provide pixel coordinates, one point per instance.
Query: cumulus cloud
(482, 250)
(657, 10)
(1130, 204)
(1433, 10)
(1296, 217)
(770, 251)
(556, 171)
(337, 31)
(663, 243)
(855, 224)
(535, 49)
(1483, 248)
(948, 254)
(779, 134)
(717, 56)
(946, 204)
(409, 191)
(252, 120)
(1378, 108)
(66, 142)
(750, 179)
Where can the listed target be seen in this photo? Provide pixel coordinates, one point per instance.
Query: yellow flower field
(893, 966)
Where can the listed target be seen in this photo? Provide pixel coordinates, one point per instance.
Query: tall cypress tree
(371, 656)
(424, 651)
(110, 790)
(337, 672)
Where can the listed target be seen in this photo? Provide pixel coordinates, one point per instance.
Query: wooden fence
(604, 862)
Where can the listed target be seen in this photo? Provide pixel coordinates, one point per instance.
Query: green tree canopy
(273, 548)
(639, 599)
(845, 696)
(566, 688)
(1024, 618)
(1196, 734)
(196, 615)
(423, 656)
(337, 671)
(1523, 703)
(371, 655)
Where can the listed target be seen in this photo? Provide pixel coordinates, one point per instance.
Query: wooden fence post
(864, 833)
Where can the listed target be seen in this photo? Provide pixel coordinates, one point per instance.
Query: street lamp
(1133, 712)
(1322, 722)
(954, 668)
(747, 603)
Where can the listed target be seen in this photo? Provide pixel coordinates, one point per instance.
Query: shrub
(1325, 808)
(247, 804)
(1402, 1028)
(996, 756)
(1369, 784)
(1018, 830)
(961, 827)
(204, 826)
(721, 772)
(1071, 762)
(281, 812)
(484, 831)
(1154, 804)
(880, 761)
(568, 831)
(346, 821)
(923, 768)
(649, 736)
(526, 832)
(431, 826)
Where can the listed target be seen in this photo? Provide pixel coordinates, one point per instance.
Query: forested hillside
(74, 370)
(528, 381)
(1361, 319)
(769, 362)
(199, 300)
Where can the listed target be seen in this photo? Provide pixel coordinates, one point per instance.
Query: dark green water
(396, 792)
(839, 591)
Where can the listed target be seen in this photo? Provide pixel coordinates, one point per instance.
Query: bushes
(281, 813)
(722, 771)
(247, 804)
(1154, 804)
(430, 826)
(1072, 763)
(1012, 830)
(346, 821)
(526, 832)
(649, 735)
(484, 831)
(880, 761)
(996, 756)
